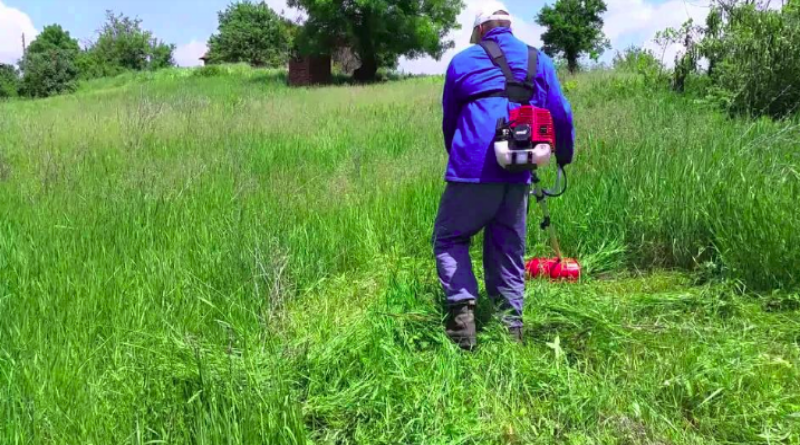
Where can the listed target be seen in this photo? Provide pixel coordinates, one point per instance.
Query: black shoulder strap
(533, 64)
(515, 91)
(498, 58)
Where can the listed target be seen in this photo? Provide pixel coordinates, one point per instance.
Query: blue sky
(176, 21)
(189, 23)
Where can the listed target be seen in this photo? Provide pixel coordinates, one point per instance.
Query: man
(480, 194)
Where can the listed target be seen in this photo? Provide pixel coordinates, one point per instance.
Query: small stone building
(310, 70)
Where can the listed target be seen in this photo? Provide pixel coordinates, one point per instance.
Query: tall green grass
(677, 185)
(192, 259)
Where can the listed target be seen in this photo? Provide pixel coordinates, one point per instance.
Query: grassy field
(223, 260)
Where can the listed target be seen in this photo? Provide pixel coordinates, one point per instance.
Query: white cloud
(638, 21)
(529, 32)
(283, 9)
(190, 53)
(626, 22)
(14, 23)
(670, 14)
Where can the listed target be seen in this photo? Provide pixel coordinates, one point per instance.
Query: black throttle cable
(553, 193)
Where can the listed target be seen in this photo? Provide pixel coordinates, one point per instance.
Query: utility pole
(24, 47)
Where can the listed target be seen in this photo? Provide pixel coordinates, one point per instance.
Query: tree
(161, 56)
(48, 74)
(53, 37)
(758, 67)
(753, 54)
(664, 39)
(251, 33)
(574, 27)
(9, 81)
(689, 36)
(123, 45)
(686, 63)
(378, 31)
(49, 63)
(722, 14)
(711, 47)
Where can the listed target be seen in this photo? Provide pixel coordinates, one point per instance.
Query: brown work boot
(460, 325)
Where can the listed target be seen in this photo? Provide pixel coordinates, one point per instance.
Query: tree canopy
(123, 45)
(754, 56)
(379, 32)
(251, 33)
(574, 27)
(52, 38)
(49, 63)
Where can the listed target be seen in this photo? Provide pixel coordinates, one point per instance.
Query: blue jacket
(469, 127)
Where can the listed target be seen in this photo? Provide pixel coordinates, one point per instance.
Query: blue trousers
(500, 210)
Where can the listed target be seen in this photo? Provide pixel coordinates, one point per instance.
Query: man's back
(469, 125)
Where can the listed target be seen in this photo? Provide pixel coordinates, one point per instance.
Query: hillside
(219, 259)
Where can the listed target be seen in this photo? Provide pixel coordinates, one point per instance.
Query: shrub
(91, 66)
(251, 33)
(759, 67)
(210, 71)
(124, 46)
(639, 61)
(49, 64)
(9, 81)
(49, 74)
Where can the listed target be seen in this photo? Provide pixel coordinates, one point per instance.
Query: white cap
(486, 13)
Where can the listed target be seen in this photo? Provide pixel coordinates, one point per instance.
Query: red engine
(538, 120)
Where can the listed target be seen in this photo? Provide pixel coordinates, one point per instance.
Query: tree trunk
(572, 63)
(368, 70)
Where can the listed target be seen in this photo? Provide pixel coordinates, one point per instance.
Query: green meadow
(219, 259)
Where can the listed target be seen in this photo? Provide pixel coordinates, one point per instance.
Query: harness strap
(486, 94)
(515, 91)
(533, 64)
(498, 58)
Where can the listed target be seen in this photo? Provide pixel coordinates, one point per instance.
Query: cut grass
(195, 259)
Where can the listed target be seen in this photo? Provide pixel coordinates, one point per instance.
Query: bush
(124, 46)
(49, 74)
(9, 81)
(251, 33)
(91, 66)
(639, 61)
(49, 64)
(759, 68)
(210, 71)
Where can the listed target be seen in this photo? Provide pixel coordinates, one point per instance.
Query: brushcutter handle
(557, 189)
(546, 224)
